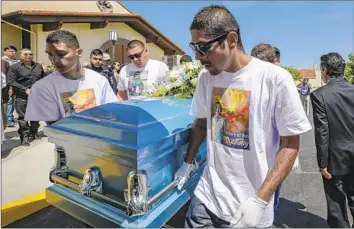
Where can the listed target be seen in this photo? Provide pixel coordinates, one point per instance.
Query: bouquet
(179, 82)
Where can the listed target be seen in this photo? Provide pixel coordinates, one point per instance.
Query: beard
(78, 71)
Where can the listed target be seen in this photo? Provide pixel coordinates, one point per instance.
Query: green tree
(294, 72)
(349, 69)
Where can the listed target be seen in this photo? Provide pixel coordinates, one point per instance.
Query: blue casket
(115, 163)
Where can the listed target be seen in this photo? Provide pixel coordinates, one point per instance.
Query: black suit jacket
(333, 114)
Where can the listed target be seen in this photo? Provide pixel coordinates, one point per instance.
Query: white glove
(184, 172)
(250, 213)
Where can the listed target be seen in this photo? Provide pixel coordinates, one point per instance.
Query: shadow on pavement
(294, 215)
(49, 217)
(8, 146)
(11, 134)
(12, 142)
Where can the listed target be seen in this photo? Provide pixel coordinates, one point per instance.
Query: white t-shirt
(139, 81)
(246, 113)
(55, 97)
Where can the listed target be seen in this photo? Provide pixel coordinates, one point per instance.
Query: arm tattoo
(283, 164)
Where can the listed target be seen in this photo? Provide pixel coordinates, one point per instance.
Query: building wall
(10, 36)
(172, 60)
(91, 39)
(317, 82)
(75, 6)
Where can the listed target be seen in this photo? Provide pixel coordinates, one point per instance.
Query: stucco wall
(76, 6)
(10, 36)
(91, 39)
(318, 81)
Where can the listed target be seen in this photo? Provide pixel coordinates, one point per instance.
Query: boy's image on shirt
(55, 97)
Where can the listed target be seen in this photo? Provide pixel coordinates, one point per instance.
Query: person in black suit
(333, 113)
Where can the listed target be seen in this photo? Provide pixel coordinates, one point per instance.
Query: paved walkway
(25, 170)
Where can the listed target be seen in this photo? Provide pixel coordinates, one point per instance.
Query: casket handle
(96, 195)
(153, 199)
(123, 206)
(170, 186)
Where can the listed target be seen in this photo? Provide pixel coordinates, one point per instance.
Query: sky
(302, 30)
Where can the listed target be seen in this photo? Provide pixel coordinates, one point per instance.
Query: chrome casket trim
(100, 214)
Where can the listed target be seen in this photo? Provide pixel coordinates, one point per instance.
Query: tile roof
(307, 73)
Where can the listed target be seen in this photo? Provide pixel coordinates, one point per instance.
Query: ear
(232, 39)
(79, 52)
(146, 50)
(324, 70)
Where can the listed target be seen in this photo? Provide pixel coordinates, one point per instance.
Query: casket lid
(135, 122)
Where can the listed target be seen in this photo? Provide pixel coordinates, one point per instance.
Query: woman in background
(116, 69)
(2, 109)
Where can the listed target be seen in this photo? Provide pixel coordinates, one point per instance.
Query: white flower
(177, 83)
(194, 81)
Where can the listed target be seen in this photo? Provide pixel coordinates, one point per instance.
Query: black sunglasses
(203, 48)
(136, 55)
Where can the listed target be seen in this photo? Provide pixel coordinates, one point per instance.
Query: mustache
(205, 63)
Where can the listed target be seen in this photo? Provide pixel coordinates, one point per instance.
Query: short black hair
(135, 43)
(277, 53)
(63, 36)
(7, 47)
(185, 58)
(25, 50)
(96, 52)
(216, 20)
(334, 64)
(265, 52)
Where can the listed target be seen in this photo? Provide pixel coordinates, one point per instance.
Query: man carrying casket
(258, 103)
(71, 88)
(138, 78)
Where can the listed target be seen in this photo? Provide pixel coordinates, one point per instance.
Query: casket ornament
(136, 195)
(92, 181)
(60, 167)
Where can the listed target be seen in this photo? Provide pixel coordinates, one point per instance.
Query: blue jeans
(199, 216)
(276, 199)
(10, 110)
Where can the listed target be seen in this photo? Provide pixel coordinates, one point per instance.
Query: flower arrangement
(179, 82)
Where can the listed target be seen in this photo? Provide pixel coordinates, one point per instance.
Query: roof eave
(41, 17)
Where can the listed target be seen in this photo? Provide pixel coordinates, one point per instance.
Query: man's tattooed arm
(196, 138)
(283, 164)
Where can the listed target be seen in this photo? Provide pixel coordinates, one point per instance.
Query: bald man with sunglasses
(138, 78)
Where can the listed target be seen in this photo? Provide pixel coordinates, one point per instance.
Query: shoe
(32, 137)
(24, 140)
(11, 125)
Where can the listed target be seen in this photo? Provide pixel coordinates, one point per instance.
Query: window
(26, 37)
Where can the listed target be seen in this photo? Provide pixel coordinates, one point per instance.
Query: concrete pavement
(24, 176)
(25, 170)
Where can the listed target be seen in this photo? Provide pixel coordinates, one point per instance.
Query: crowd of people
(248, 162)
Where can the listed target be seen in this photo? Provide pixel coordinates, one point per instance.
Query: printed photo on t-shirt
(76, 101)
(137, 82)
(230, 117)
